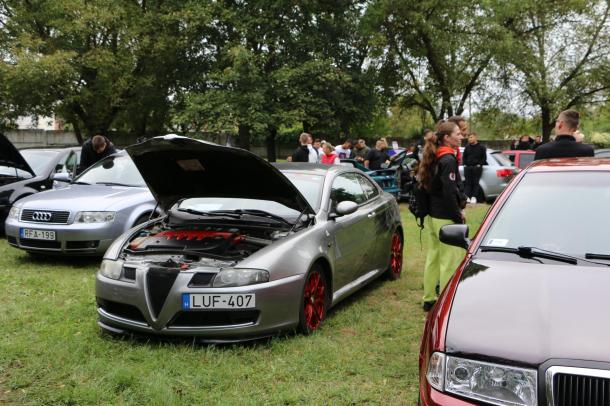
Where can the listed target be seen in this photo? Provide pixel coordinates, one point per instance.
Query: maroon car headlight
(491, 383)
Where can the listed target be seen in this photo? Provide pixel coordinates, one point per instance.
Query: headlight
(240, 277)
(111, 269)
(14, 212)
(491, 383)
(94, 216)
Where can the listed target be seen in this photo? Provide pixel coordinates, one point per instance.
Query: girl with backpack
(440, 178)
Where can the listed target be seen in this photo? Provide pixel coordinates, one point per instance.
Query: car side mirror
(455, 234)
(61, 177)
(344, 208)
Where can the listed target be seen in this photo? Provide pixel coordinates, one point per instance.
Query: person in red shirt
(329, 157)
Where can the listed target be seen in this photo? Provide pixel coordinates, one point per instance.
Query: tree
(100, 63)
(558, 53)
(432, 54)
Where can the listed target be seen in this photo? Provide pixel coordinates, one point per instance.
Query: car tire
(314, 302)
(396, 247)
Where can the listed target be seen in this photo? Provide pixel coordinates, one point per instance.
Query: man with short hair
(344, 150)
(360, 150)
(301, 154)
(474, 157)
(93, 150)
(565, 145)
(314, 155)
(376, 157)
(537, 142)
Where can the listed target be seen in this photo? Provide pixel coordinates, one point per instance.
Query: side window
(71, 163)
(61, 165)
(346, 187)
(369, 189)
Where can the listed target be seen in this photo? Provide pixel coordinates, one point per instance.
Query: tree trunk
(306, 126)
(243, 136)
(547, 123)
(77, 132)
(270, 143)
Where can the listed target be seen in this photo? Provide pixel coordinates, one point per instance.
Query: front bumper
(126, 306)
(75, 239)
(431, 397)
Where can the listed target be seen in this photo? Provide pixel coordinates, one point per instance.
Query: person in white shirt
(344, 150)
(314, 154)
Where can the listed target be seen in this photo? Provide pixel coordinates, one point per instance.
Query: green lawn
(51, 350)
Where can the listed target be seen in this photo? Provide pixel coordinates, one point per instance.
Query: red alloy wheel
(396, 256)
(314, 300)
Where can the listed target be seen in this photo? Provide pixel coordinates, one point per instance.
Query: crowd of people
(320, 151)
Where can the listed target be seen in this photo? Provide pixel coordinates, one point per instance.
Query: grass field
(51, 350)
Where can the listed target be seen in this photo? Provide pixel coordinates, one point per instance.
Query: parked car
(498, 172)
(387, 178)
(602, 153)
(87, 215)
(523, 320)
(29, 171)
(244, 251)
(520, 158)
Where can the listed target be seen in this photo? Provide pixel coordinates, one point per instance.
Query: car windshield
(39, 160)
(563, 212)
(114, 170)
(309, 185)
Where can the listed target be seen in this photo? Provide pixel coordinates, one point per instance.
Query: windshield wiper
(113, 184)
(209, 213)
(262, 213)
(597, 256)
(80, 183)
(533, 253)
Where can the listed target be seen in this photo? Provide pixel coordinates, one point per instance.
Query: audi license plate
(37, 234)
(197, 301)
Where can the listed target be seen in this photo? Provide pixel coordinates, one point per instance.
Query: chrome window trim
(552, 371)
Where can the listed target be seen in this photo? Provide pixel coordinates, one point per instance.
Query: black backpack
(419, 203)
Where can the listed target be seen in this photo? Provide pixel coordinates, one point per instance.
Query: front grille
(580, 387)
(159, 282)
(121, 310)
(45, 216)
(214, 318)
(11, 240)
(27, 243)
(201, 279)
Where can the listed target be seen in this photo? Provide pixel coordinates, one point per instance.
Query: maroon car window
(563, 212)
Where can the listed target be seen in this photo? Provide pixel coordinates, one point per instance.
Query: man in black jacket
(93, 150)
(301, 154)
(474, 157)
(565, 145)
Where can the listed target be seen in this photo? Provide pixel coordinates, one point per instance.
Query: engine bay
(202, 243)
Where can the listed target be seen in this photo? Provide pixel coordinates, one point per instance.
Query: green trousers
(441, 261)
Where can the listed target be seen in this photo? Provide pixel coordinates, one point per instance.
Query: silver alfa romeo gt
(246, 249)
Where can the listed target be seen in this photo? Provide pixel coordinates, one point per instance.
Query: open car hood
(176, 167)
(10, 156)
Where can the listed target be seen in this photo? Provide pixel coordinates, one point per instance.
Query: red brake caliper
(396, 254)
(314, 300)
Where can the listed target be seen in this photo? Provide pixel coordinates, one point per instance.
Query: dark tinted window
(558, 211)
(346, 187)
(369, 189)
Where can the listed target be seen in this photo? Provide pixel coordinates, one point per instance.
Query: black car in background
(29, 171)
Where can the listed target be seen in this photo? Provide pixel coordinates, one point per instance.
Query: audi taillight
(504, 173)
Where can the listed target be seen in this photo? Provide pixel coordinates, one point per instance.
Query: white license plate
(37, 234)
(201, 301)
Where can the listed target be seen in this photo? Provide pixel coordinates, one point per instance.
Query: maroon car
(520, 158)
(524, 320)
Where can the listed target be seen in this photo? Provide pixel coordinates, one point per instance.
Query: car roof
(51, 149)
(518, 151)
(305, 167)
(570, 164)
